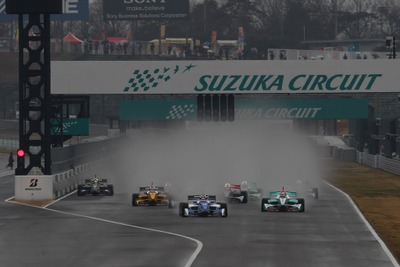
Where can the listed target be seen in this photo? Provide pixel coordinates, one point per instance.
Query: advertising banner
(72, 10)
(225, 77)
(248, 109)
(145, 9)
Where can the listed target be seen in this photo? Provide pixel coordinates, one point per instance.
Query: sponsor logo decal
(33, 185)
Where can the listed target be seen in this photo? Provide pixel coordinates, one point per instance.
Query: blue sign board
(72, 10)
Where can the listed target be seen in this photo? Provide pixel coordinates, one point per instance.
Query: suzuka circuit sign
(225, 77)
(145, 9)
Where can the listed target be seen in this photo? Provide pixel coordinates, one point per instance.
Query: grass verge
(377, 195)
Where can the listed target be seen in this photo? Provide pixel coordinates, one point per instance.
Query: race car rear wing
(289, 193)
(233, 186)
(195, 197)
(146, 188)
(89, 181)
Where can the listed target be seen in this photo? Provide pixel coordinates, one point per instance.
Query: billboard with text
(72, 10)
(145, 9)
(248, 109)
(225, 77)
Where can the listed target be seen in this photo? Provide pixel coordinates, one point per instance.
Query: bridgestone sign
(145, 9)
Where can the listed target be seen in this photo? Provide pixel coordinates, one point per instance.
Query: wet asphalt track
(329, 233)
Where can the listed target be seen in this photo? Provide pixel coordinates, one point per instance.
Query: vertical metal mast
(34, 80)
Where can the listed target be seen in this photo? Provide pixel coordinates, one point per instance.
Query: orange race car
(151, 196)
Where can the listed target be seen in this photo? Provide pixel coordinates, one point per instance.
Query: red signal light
(20, 153)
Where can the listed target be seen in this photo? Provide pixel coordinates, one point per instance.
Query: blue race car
(202, 206)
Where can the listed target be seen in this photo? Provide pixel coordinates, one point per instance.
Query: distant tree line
(266, 23)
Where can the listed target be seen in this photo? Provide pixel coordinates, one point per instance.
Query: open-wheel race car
(313, 192)
(203, 206)
(254, 192)
(309, 188)
(283, 201)
(95, 187)
(152, 196)
(236, 193)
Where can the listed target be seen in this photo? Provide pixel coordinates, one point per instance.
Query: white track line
(61, 198)
(188, 263)
(383, 245)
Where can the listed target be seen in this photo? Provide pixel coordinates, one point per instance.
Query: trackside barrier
(346, 154)
(66, 182)
(368, 159)
(379, 162)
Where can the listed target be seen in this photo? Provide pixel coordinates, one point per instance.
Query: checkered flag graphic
(147, 79)
(180, 111)
(144, 80)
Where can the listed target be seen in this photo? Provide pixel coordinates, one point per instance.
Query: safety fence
(379, 162)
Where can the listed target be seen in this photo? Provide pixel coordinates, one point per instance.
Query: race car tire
(263, 201)
(80, 190)
(134, 197)
(110, 190)
(182, 207)
(224, 206)
(301, 201)
(245, 195)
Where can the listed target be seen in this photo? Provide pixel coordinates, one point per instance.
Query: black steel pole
(394, 47)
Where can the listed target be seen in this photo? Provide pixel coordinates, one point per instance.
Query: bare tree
(359, 21)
